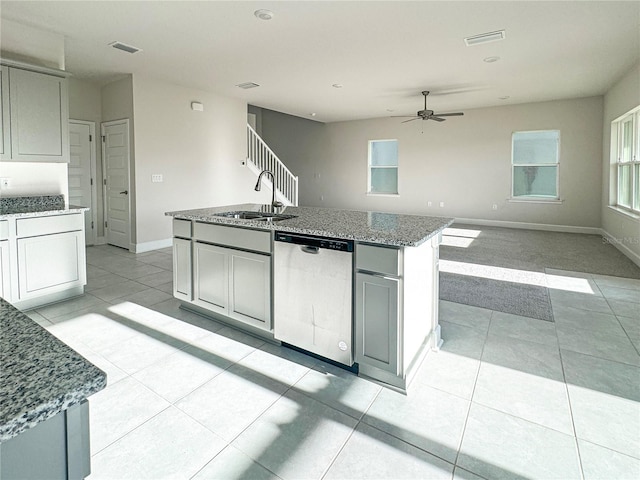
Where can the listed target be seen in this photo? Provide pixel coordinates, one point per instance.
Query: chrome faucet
(274, 203)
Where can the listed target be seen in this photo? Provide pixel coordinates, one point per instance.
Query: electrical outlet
(429, 204)
(4, 182)
(322, 198)
(494, 207)
(156, 178)
(441, 204)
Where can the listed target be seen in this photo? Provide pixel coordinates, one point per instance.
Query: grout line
(475, 383)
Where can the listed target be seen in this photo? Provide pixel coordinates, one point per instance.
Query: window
(535, 160)
(625, 143)
(383, 167)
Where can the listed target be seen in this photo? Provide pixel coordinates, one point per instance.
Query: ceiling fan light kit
(426, 114)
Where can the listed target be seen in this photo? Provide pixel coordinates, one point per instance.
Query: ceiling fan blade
(455, 114)
(437, 119)
(415, 118)
(403, 116)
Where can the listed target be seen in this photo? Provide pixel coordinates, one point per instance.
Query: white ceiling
(383, 52)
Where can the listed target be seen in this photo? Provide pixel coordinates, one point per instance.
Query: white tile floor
(506, 397)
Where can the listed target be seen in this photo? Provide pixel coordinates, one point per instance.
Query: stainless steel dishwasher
(313, 294)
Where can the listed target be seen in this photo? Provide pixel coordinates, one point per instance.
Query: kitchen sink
(257, 216)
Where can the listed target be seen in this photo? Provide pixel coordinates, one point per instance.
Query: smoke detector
(263, 14)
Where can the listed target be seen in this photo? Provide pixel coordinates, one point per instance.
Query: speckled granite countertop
(39, 375)
(373, 227)
(36, 206)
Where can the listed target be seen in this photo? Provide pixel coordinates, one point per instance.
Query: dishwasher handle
(310, 249)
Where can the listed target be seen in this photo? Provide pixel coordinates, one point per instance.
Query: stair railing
(261, 157)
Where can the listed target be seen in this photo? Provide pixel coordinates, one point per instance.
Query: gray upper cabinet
(35, 116)
(5, 138)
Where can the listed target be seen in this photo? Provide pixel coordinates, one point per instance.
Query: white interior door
(82, 173)
(115, 155)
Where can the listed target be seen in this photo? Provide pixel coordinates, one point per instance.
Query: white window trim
(535, 198)
(616, 148)
(369, 166)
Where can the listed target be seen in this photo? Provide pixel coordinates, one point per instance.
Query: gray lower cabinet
(396, 317)
(5, 277)
(50, 263)
(233, 283)
(57, 448)
(377, 321)
(182, 269)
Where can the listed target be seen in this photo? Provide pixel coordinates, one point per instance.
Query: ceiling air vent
(247, 85)
(124, 47)
(485, 38)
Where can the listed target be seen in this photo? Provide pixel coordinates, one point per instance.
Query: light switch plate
(156, 178)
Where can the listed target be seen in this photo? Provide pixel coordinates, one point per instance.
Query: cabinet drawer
(256, 240)
(4, 230)
(181, 228)
(31, 227)
(385, 260)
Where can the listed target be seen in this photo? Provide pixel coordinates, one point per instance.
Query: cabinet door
(377, 321)
(211, 277)
(5, 287)
(5, 139)
(182, 269)
(39, 116)
(250, 288)
(50, 263)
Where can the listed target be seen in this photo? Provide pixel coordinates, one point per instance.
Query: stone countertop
(36, 206)
(372, 227)
(40, 376)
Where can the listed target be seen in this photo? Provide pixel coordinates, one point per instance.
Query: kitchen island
(44, 412)
(224, 267)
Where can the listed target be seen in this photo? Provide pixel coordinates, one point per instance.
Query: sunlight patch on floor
(557, 282)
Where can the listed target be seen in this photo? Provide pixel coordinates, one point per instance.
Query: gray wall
(622, 97)
(464, 162)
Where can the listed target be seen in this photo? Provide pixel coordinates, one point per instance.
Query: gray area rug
(528, 251)
(526, 300)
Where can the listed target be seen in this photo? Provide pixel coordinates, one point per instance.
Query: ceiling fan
(429, 114)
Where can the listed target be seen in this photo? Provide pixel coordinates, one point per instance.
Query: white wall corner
(620, 245)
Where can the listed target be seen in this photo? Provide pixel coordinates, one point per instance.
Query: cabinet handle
(125, 192)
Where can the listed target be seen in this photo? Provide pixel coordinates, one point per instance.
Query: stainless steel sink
(256, 216)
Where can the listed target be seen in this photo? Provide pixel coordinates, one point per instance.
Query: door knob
(126, 192)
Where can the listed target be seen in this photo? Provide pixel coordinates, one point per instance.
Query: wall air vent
(247, 85)
(124, 47)
(485, 38)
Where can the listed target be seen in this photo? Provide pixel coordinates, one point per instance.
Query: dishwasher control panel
(318, 242)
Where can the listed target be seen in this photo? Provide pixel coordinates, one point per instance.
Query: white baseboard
(531, 226)
(149, 246)
(633, 256)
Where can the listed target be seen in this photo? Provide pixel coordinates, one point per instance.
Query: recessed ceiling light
(247, 85)
(313, 114)
(390, 110)
(485, 38)
(124, 47)
(491, 59)
(336, 85)
(506, 97)
(263, 14)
